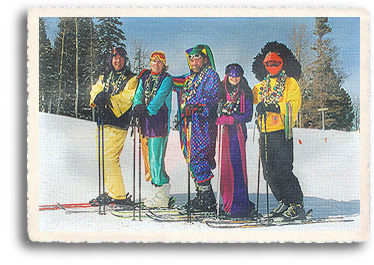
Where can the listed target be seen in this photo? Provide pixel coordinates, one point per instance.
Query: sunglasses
(195, 56)
(158, 54)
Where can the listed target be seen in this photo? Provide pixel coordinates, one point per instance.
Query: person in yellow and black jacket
(113, 94)
(278, 100)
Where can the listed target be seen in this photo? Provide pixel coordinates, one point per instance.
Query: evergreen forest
(70, 66)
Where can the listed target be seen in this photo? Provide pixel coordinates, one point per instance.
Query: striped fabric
(288, 121)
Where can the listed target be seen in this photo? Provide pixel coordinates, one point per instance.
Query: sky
(234, 40)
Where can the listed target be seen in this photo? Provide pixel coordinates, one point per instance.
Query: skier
(278, 100)
(113, 94)
(197, 96)
(152, 105)
(237, 108)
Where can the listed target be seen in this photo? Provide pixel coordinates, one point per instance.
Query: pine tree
(65, 51)
(326, 83)
(88, 64)
(342, 116)
(46, 68)
(72, 66)
(109, 35)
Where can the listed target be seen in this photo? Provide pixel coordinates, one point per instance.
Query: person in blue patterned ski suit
(197, 96)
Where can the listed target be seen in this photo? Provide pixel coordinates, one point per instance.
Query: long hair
(290, 64)
(243, 85)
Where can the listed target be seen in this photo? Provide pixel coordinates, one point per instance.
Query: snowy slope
(326, 164)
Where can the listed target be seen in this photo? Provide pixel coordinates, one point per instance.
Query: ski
(268, 222)
(92, 209)
(46, 207)
(178, 217)
(84, 205)
(253, 224)
(130, 213)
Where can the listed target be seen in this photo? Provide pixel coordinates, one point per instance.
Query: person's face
(157, 65)
(197, 63)
(234, 80)
(118, 62)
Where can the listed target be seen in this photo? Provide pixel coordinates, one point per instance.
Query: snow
(327, 164)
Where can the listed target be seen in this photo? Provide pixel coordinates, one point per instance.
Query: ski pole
(266, 167)
(219, 112)
(254, 125)
(134, 175)
(102, 182)
(99, 156)
(259, 164)
(219, 166)
(140, 173)
(189, 172)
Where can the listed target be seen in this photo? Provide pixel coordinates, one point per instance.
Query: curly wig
(290, 64)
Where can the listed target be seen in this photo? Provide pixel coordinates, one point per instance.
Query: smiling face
(234, 80)
(118, 62)
(197, 63)
(157, 65)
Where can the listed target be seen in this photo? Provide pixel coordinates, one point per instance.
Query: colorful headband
(160, 55)
(234, 70)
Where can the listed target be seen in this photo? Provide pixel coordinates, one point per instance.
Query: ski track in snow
(327, 164)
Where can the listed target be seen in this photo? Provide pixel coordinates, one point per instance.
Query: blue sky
(235, 39)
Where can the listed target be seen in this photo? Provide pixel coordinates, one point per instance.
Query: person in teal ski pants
(152, 105)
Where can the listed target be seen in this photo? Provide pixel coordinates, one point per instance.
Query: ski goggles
(160, 55)
(195, 56)
(119, 51)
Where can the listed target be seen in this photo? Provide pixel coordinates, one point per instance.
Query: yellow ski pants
(114, 140)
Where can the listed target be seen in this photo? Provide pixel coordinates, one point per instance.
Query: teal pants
(156, 152)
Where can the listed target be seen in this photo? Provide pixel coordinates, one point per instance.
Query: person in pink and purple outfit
(237, 109)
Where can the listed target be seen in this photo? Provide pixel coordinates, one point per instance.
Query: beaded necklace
(232, 101)
(151, 90)
(189, 88)
(272, 95)
(115, 85)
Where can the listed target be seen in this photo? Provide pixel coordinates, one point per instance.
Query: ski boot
(294, 212)
(278, 210)
(105, 199)
(204, 200)
(124, 202)
(160, 197)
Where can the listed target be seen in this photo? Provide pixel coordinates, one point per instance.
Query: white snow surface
(327, 164)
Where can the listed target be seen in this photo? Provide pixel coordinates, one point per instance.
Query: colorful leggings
(154, 150)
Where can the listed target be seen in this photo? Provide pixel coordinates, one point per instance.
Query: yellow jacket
(291, 94)
(122, 101)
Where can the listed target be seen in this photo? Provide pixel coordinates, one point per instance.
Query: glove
(102, 99)
(225, 120)
(190, 109)
(140, 111)
(261, 108)
(273, 108)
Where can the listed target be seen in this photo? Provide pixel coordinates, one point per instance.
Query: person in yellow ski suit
(113, 94)
(278, 100)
